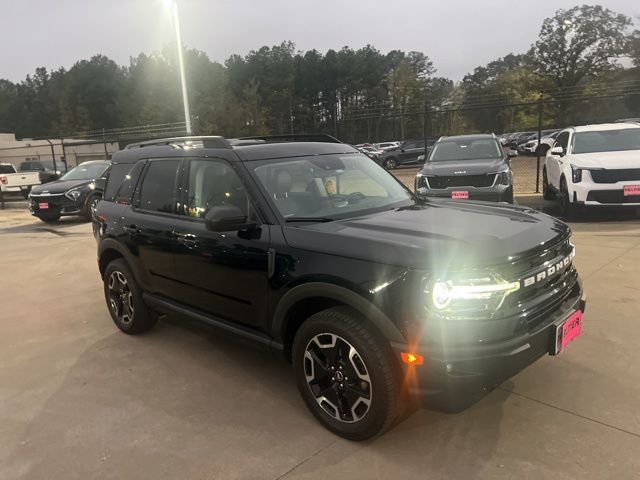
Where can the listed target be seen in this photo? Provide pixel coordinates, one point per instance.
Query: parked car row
(584, 166)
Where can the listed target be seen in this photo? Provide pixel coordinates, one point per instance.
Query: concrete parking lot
(80, 400)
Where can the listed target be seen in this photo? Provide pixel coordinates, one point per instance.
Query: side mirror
(512, 153)
(557, 151)
(226, 218)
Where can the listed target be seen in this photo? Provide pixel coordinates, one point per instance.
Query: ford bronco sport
(315, 251)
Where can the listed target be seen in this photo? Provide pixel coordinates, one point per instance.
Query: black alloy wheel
(337, 377)
(120, 298)
(347, 374)
(124, 299)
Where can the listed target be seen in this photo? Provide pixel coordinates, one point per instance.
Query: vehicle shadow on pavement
(182, 400)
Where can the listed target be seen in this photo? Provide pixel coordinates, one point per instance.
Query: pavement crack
(584, 417)
(306, 459)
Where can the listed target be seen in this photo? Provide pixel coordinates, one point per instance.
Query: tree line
(359, 94)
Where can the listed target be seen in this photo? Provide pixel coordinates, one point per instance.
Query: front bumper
(461, 368)
(57, 204)
(495, 193)
(604, 194)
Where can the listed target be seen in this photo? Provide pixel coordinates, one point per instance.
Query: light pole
(183, 80)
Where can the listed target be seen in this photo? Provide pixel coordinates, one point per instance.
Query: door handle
(132, 229)
(187, 239)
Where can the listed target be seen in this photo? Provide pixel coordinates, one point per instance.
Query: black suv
(77, 192)
(408, 152)
(313, 250)
(467, 167)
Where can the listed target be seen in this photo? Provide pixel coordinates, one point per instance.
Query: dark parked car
(513, 141)
(467, 167)
(316, 252)
(77, 192)
(48, 171)
(407, 152)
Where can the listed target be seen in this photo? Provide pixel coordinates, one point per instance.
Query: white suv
(594, 165)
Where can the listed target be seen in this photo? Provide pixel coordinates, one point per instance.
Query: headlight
(503, 178)
(466, 297)
(576, 174)
(73, 194)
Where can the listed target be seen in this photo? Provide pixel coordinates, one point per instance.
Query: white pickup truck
(13, 182)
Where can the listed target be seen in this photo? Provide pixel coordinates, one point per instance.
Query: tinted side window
(115, 178)
(125, 190)
(562, 140)
(159, 185)
(213, 183)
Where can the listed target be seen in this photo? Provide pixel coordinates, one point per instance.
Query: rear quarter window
(122, 181)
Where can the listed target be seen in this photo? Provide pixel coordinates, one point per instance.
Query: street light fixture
(173, 4)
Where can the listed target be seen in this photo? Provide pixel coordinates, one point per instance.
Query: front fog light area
(469, 296)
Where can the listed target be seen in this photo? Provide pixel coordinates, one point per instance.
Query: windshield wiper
(309, 219)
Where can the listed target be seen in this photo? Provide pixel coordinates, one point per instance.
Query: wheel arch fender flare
(107, 248)
(333, 292)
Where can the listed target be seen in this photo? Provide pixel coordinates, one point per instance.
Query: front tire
(346, 374)
(547, 193)
(90, 206)
(568, 209)
(124, 299)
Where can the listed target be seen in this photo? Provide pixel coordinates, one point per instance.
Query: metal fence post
(539, 144)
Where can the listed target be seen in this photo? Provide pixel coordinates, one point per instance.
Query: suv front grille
(613, 176)
(545, 294)
(461, 181)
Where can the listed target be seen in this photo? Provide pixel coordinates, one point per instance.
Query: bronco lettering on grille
(548, 272)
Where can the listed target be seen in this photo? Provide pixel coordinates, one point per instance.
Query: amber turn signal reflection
(412, 358)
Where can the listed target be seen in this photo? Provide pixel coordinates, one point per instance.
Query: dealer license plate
(460, 195)
(43, 206)
(568, 331)
(631, 190)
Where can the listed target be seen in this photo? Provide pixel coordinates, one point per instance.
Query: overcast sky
(458, 35)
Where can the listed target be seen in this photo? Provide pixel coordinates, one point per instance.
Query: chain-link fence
(490, 113)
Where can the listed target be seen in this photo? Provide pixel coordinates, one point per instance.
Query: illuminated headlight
(73, 194)
(470, 295)
(503, 178)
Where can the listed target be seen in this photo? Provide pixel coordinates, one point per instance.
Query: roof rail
(294, 137)
(183, 142)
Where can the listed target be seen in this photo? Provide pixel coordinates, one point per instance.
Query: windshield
(329, 186)
(465, 149)
(85, 172)
(607, 141)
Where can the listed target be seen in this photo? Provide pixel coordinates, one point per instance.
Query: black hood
(59, 186)
(464, 167)
(441, 233)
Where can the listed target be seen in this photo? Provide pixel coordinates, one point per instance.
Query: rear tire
(124, 299)
(346, 374)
